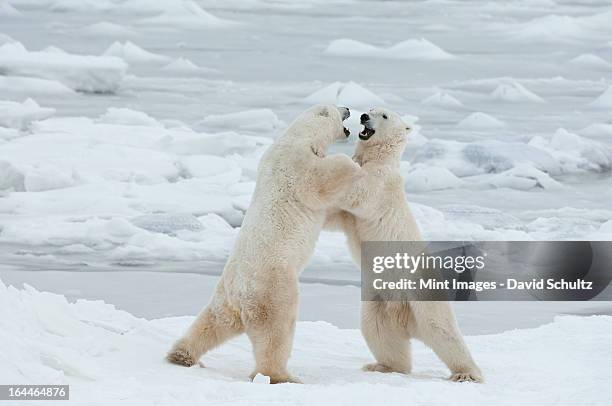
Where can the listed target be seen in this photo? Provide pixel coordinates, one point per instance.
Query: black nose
(364, 118)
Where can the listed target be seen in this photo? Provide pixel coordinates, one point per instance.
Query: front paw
(376, 367)
(385, 369)
(180, 355)
(467, 377)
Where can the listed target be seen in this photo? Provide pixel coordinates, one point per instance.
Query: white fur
(375, 209)
(258, 290)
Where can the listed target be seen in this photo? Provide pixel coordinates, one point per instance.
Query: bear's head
(382, 126)
(320, 126)
(337, 115)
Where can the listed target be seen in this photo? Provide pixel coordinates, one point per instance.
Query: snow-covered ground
(108, 356)
(130, 132)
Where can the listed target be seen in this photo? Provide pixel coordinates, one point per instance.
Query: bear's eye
(385, 116)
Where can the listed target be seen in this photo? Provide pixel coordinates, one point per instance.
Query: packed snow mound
(575, 153)
(21, 115)
(127, 116)
(604, 101)
(597, 130)
(96, 348)
(442, 99)
(54, 49)
(33, 86)
(590, 61)
(108, 29)
(480, 121)
(345, 94)
(84, 73)
(132, 53)
(515, 93)
(556, 28)
(10, 177)
(552, 28)
(256, 120)
(184, 14)
(424, 178)
(7, 10)
(524, 177)
(185, 66)
(412, 49)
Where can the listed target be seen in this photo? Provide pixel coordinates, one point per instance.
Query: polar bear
(258, 289)
(375, 209)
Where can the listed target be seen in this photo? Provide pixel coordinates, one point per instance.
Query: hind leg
(437, 328)
(216, 324)
(270, 325)
(387, 337)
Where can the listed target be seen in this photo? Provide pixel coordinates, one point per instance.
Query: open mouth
(346, 132)
(366, 133)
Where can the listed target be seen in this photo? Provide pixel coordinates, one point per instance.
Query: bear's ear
(324, 112)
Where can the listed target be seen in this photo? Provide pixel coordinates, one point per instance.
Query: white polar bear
(258, 290)
(375, 209)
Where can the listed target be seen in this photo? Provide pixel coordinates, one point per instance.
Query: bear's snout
(364, 118)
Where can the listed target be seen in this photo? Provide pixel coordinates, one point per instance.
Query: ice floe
(412, 49)
(86, 73)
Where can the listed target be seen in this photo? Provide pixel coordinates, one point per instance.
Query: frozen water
(129, 165)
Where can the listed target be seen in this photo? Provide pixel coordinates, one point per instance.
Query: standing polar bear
(375, 209)
(258, 290)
